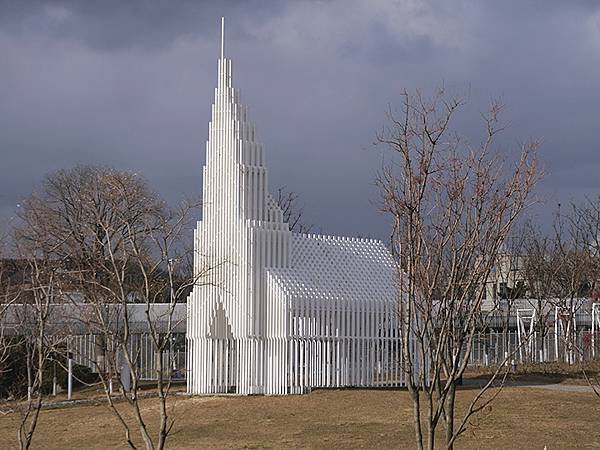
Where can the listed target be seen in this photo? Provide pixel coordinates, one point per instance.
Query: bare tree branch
(453, 206)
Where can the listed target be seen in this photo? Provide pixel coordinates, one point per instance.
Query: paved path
(536, 385)
(559, 387)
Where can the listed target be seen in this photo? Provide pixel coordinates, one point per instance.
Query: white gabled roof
(338, 268)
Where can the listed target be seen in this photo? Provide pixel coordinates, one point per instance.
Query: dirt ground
(520, 418)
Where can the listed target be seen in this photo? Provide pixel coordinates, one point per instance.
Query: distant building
(506, 281)
(279, 312)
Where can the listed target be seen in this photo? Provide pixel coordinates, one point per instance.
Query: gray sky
(130, 84)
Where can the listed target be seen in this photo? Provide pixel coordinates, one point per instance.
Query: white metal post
(69, 376)
(593, 337)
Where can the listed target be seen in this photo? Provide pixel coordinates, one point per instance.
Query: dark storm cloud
(112, 25)
(129, 84)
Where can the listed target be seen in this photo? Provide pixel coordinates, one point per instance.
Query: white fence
(489, 348)
(91, 351)
(494, 347)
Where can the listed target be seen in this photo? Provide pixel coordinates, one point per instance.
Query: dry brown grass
(519, 418)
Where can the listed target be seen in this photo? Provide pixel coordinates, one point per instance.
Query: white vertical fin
(222, 37)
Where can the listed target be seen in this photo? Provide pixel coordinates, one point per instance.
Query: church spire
(222, 37)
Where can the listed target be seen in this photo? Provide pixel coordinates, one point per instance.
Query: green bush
(13, 373)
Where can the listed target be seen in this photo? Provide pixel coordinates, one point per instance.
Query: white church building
(279, 312)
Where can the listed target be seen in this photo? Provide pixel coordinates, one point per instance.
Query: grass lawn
(520, 418)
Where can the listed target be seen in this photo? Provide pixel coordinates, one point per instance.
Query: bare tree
(9, 294)
(128, 265)
(157, 277)
(453, 207)
(590, 221)
(292, 212)
(507, 284)
(540, 267)
(572, 282)
(40, 288)
(577, 236)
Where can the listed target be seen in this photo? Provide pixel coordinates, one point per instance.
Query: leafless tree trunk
(453, 207)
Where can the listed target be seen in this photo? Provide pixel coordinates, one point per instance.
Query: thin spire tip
(222, 37)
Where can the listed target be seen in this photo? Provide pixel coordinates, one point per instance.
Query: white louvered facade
(279, 312)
